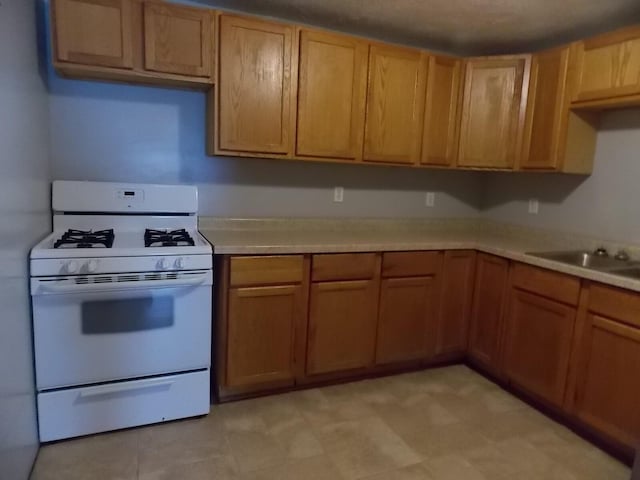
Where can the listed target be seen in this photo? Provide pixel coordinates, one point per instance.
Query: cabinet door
(493, 107)
(395, 105)
(456, 298)
(607, 394)
(178, 39)
(331, 96)
(254, 85)
(547, 112)
(439, 141)
(538, 344)
(488, 306)
(93, 32)
(261, 335)
(407, 319)
(607, 66)
(342, 326)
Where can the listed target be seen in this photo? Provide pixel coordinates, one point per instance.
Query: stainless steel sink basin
(586, 260)
(632, 272)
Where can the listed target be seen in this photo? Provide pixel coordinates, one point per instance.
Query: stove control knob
(71, 266)
(92, 266)
(179, 264)
(163, 264)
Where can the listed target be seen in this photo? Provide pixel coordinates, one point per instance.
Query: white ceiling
(456, 26)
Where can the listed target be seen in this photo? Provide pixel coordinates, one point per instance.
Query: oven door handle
(111, 389)
(52, 288)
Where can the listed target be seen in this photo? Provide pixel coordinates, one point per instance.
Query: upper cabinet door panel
(440, 143)
(254, 86)
(607, 66)
(93, 32)
(177, 39)
(547, 112)
(331, 95)
(395, 105)
(493, 111)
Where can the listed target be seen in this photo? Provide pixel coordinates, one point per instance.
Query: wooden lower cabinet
(539, 334)
(261, 335)
(342, 326)
(489, 300)
(406, 323)
(607, 394)
(455, 302)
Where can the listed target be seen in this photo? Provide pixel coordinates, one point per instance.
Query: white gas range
(122, 306)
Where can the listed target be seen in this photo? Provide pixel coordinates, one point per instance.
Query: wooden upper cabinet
(331, 95)
(178, 39)
(261, 336)
(607, 66)
(395, 105)
(539, 334)
(493, 108)
(93, 32)
(455, 302)
(489, 301)
(441, 120)
(254, 86)
(547, 111)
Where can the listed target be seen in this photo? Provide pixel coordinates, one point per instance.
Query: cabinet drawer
(269, 270)
(615, 303)
(101, 408)
(343, 266)
(411, 264)
(556, 286)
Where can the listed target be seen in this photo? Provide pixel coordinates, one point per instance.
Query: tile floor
(442, 424)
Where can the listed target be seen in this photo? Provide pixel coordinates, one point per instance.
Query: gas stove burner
(165, 238)
(86, 239)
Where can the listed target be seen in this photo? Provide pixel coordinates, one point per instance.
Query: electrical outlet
(430, 199)
(338, 194)
(534, 206)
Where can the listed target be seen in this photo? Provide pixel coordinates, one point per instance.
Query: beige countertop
(297, 236)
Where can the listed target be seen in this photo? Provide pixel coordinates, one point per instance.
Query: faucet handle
(622, 255)
(601, 252)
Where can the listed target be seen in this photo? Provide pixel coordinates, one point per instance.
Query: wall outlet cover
(338, 194)
(430, 199)
(534, 206)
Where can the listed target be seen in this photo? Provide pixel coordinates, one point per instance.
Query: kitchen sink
(587, 260)
(632, 272)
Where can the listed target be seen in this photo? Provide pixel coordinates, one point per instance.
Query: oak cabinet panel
(344, 266)
(455, 302)
(539, 335)
(254, 85)
(493, 107)
(547, 111)
(93, 32)
(407, 319)
(342, 326)
(547, 283)
(607, 66)
(441, 120)
(178, 39)
(331, 95)
(262, 270)
(261, 335)
(488, 309)
(606, 396)
(395, 105)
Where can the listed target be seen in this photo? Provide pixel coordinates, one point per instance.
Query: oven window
(127, 315)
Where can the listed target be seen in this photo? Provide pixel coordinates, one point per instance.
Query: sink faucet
(601, 252)
(622, 255)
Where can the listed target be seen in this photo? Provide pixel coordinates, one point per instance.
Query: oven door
(100, 328)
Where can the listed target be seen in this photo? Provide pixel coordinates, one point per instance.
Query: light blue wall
(25, 218)
(604, 205)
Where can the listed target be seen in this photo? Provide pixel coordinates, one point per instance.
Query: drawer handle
(109, 389)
